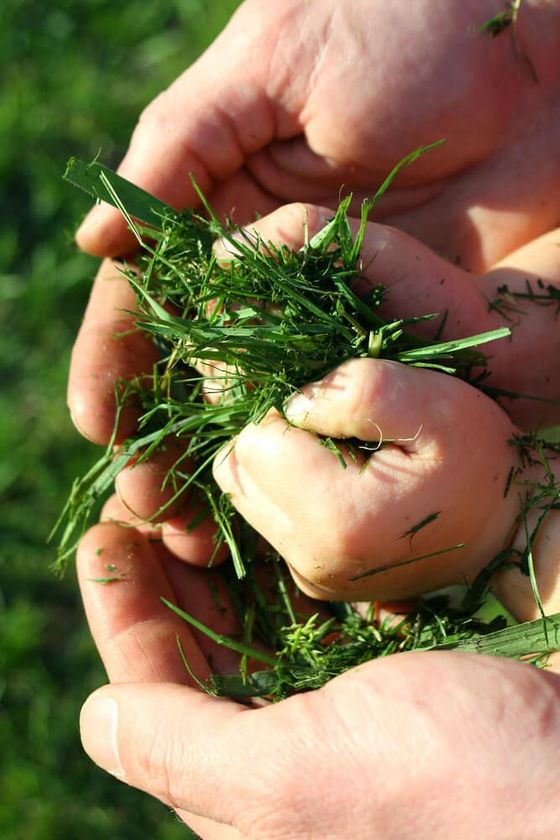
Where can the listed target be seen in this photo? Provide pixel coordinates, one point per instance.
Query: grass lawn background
(75, 74)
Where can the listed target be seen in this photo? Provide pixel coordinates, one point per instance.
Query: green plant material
(261, 325)
(422, 524)
(254, 329)
(377, 570)
(534, 639)
(103, 184)
(308, 651)
(507, 301)
(507, 20)
(503, 20)
(238, 647)
(496, 25)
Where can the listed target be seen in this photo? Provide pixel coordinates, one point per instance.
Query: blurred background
(74, 76)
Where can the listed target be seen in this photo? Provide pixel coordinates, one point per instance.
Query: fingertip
(93, 415)
(291, 225)
(104, 233)
(99, 725)
(151, 489)
(223, 467)
(106, 354)
(102, 541)
(194, 542)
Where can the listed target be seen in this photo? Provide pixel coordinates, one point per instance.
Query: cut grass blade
(102, 184)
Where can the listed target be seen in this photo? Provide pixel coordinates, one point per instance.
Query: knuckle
(154, 117)
(160, 767)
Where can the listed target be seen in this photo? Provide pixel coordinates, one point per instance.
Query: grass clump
(253, 330)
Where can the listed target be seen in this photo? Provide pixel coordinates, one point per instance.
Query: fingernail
(74, 414)
(297, 407)
(99, 721)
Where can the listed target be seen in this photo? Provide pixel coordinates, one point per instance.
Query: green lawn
(75, 74)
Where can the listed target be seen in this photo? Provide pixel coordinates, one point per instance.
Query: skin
(231, 771)
(332, 524)
(259, 134)
(255, 140)
(417, 282)
(348, 534)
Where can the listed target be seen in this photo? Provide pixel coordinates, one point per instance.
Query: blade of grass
(94, 178)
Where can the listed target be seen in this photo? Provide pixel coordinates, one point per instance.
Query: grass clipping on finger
(259, 326)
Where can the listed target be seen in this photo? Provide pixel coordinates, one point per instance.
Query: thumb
(173, 742)
(380, 400)
(206, 124)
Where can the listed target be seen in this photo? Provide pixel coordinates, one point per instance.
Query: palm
(436, 732)
(296, 100)
(382, 79)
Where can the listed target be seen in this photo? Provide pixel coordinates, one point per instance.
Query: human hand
(295, 99)
(350, 524)
(109, 346)
(428, 745)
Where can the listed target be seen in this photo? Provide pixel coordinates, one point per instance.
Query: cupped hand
(429, 745)
(109, 346)
(296, 100)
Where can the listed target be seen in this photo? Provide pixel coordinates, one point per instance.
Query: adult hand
(296, 100)
(411, 746)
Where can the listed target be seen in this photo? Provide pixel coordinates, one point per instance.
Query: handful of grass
(260, 327)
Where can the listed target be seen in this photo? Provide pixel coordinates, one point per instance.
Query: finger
(109, 348)
(206, 124)
(379, 400)
(200, 754)
(418, 282)
(523, 288)
(122, 582)
(195, 752)
(192, 536)
(291, 225)
(114, 511)
(203, 594)
(152, 489)
(180, 762)
(515, 589)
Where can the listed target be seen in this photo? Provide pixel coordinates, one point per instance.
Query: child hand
(352, 523)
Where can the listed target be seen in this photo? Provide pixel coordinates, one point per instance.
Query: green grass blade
(531, 638)
(94, 178)
(225, 641)
(451, 346)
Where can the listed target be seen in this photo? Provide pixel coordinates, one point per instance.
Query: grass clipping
(262, 326)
